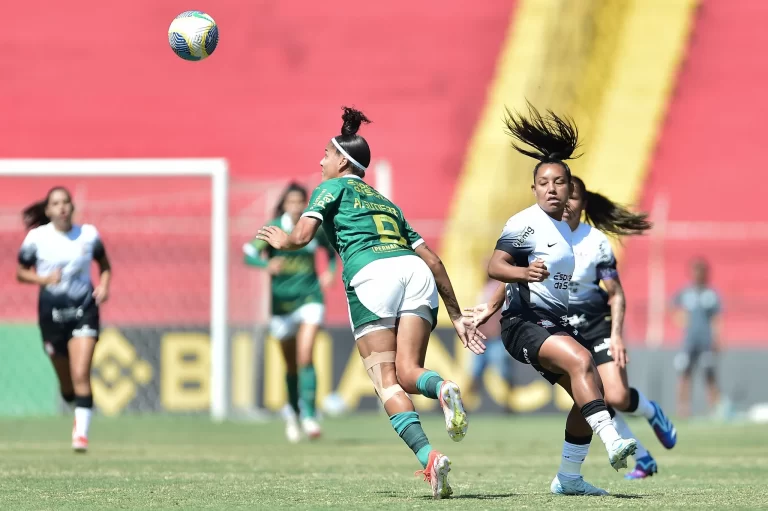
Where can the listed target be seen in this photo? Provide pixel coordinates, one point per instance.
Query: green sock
(408, 426)
(428, 384)
(307, 389)
(292, 381)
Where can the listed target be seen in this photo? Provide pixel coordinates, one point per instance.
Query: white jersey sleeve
(28, 250)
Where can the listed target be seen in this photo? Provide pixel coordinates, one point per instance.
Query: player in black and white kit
(599, 314)
(56, 255)
(535, 259)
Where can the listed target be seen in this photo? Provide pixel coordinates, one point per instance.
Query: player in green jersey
(297, 307)
(392, 282)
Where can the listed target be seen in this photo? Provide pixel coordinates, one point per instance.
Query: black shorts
(523, 336)
(601, 350)
(60, 324)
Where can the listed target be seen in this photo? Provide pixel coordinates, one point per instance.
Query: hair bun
(352, 120)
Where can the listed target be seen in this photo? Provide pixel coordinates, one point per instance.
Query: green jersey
(361, 224)
(297, 283)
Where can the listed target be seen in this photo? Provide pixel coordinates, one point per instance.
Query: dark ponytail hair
(293, 187)
(553, 139)
(609, 217)
(34, 214)
(352, 143)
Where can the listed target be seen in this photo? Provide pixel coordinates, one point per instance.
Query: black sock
(634, 400)
(84, 401)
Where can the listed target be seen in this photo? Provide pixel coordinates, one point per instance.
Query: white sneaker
(292, 430)
(456, 423)
(436, 474)
(575, 487)
(311, 428)
(620, 450)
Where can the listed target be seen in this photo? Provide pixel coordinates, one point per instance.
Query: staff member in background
(56, 255)
(697, 310)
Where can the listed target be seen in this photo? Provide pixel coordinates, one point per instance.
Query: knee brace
(372, 365)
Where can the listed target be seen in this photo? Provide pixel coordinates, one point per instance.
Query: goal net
(181, 329)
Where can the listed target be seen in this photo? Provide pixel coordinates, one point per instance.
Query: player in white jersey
(599, 314)
(535, 259)
(56, 255)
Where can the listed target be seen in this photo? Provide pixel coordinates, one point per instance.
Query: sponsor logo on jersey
(518, 240)
(546, 323)
(322, 200)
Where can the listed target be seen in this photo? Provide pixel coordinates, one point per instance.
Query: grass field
(504, 463)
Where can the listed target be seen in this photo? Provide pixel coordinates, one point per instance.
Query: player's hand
(275, 265)
(275, 236)
(53, 278)
(100, 294)
(537, 271)
(326, 279)
(470, 336)
(619, 352)
(480, 314)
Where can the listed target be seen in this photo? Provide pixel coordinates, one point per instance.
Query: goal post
(214, 168)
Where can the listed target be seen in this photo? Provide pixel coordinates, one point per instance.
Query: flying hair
(609, 217)
(549, 138)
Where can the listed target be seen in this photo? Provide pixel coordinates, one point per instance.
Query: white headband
(346, 155)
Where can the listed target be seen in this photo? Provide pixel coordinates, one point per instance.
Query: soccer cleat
(311, 428)
(575, 487)
(645, 467)
(663, 427)
(436, 473)
(292, 430)
(620, 450)
(455, 417)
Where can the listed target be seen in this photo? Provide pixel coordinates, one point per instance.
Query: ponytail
(609, 217)
(34, 214)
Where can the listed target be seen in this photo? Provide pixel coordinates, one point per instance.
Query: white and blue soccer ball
(193, 35)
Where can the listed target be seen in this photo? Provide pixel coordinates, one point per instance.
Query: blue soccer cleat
(663, 427)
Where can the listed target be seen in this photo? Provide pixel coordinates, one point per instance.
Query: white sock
(603, 427)
(623, 428)
(644, 406)
(82, 421)
(570, 464)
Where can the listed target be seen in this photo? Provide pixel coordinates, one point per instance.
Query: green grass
(504, 463)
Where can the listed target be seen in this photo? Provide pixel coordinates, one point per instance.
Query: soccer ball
(193, 35)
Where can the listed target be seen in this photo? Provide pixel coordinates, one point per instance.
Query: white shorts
(285, 326)
(387, 289)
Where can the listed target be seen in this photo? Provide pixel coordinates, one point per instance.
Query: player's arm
(324, 200)
(255, 253)
(515, 244)
(717, 327)
(443, 281)
(26, 272)
(608, 273)
(326, 278)
(679, 315)
(101, 291)
(483, 312)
